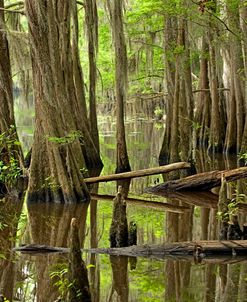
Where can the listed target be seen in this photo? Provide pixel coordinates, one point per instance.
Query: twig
(12, 11)
(80, 2)
(207, 89)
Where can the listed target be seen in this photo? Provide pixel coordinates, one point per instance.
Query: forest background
(190, 54)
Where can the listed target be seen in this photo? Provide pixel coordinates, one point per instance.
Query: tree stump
(119, 225)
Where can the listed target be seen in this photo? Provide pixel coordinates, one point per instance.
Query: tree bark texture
(7, 120)
(62, 144)
(169, 79)
(216, 136)
(121, 74)
(202, 181)
(179, 88)
(119, 226)
(91, 16)
(243, 26)
(202, 114)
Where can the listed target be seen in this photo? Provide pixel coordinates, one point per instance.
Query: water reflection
(122, 278)
(50, 225)
(120, 282)
(221, 279)
(10, 211)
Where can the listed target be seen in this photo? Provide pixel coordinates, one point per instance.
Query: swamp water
(25, 277)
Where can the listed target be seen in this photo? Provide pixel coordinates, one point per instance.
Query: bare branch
(148, 76)
(12, 11)
(202, 90)
(211, 13)
(145, 43)
(80, 3)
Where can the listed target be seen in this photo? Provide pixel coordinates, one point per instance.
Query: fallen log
(39, 249)
(198, 249)
(199, 182)
(138, 173)
(160, 206)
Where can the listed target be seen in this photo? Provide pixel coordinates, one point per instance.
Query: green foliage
(2, 225)
(59, 275)
(22, 223)
(2, 257)
(232, 206)
(9, 165)
(65, 140)
(243, 157)
(10, 172)
(158, 112)
(49, 184)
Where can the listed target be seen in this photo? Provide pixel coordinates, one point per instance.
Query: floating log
(198, 249)
(161, 206)
(138, 173)
(209, 259)
(199, 182)
(39, 249)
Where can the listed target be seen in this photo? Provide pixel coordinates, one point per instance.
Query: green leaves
(9, 172)
(64, 140)
(9, 165)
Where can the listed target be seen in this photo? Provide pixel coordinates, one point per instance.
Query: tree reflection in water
(50, 225)
(220, 280)
(10, 211)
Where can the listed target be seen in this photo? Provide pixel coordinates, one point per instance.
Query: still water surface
(41, 277)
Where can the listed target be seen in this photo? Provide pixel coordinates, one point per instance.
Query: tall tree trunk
(179, 88)
(216, 136)
(202, 114)
(57, 157)
(243, 26)
(186, 102)
(116, 15)
(77, 70)
(174, 143)
(91, 16)
(231, 129)
(237, 71)
(90, 145)
(169, 79)
(9, 148)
